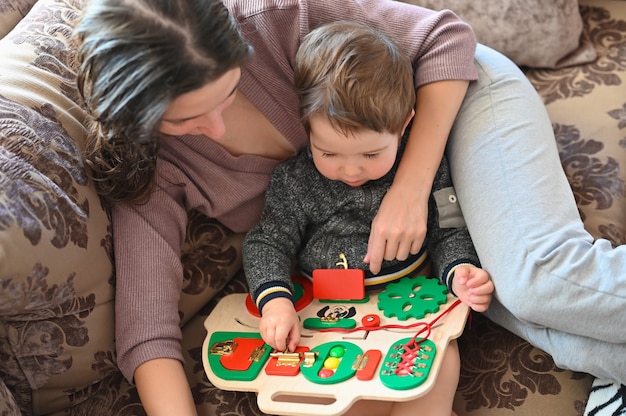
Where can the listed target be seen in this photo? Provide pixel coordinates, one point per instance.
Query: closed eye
(177, 122)
(371, 155)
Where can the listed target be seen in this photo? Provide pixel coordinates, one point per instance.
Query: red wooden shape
(273, 368)
(240, 358)
(338, 284)
(368, 371)
(300, 302)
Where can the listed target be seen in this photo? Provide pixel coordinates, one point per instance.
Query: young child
(356, 99)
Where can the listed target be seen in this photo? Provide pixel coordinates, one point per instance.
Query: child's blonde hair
(355, 76)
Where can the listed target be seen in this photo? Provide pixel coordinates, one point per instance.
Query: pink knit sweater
(196, 173)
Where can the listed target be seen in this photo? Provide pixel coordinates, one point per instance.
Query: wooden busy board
(235, 357)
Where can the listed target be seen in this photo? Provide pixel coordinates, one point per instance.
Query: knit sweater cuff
(269, 291)
(448, 273)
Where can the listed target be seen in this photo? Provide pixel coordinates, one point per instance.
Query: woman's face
(200, 111)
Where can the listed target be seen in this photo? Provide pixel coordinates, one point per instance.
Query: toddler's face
(354, 159)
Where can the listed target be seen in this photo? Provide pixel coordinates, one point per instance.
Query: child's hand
(279, 323)
(473, 286)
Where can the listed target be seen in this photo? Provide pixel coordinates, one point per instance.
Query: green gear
(412, 297)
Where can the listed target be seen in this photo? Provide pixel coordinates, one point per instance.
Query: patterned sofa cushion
(56, 277)
(56, 274)
(55, 270)
(533, 33)
(587, 106)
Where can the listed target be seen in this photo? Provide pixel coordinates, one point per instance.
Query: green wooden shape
(342, 373)
(422, 362)
(412, 297)
(255, 367)
(318, 323)
(298, 291)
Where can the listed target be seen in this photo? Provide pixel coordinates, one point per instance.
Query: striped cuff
(269, 291)
(448, 274)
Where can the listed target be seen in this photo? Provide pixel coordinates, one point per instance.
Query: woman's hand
(473, 286)
(279, 326)
(399, 227)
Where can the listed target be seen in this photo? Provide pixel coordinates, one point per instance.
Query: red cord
(411, 348)
(426, 325)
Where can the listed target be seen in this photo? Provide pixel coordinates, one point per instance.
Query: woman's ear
(406, 123)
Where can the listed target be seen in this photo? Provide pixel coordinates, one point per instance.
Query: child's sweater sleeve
(271, 245)
(448, 241)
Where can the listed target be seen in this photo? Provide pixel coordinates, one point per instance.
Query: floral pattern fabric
(56, 315)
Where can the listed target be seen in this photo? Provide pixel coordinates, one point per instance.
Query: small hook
(343, 262)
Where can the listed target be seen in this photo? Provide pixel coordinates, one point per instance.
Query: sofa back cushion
(532, 33)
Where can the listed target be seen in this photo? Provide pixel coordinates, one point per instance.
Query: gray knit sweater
(312, 219)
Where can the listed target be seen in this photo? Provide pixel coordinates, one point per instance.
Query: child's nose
(351, 169)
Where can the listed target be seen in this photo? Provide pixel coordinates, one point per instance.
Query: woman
(210, 87)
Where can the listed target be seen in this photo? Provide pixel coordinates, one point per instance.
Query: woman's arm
(399, 227)
(163, 388)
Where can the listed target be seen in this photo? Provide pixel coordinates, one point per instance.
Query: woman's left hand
(399, 228)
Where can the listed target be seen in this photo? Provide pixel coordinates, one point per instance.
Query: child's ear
(406, 123)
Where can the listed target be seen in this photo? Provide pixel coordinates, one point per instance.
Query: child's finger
(294, 338)
(282, 337)
(462, 275)
(480, 303)
(482, 290)
(268, 335)
(475, 298)
(478, 281)
(280, 343)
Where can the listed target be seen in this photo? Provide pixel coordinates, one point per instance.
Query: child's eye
(371, 155)
(328, 154)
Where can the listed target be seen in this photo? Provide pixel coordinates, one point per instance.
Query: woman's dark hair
(135, 57)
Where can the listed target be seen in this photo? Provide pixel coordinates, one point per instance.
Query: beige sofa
(57, 351)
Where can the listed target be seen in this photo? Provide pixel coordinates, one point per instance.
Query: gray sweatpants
(555, 285)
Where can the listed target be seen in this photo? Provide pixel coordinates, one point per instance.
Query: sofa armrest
(56, 271)
(12, 12)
